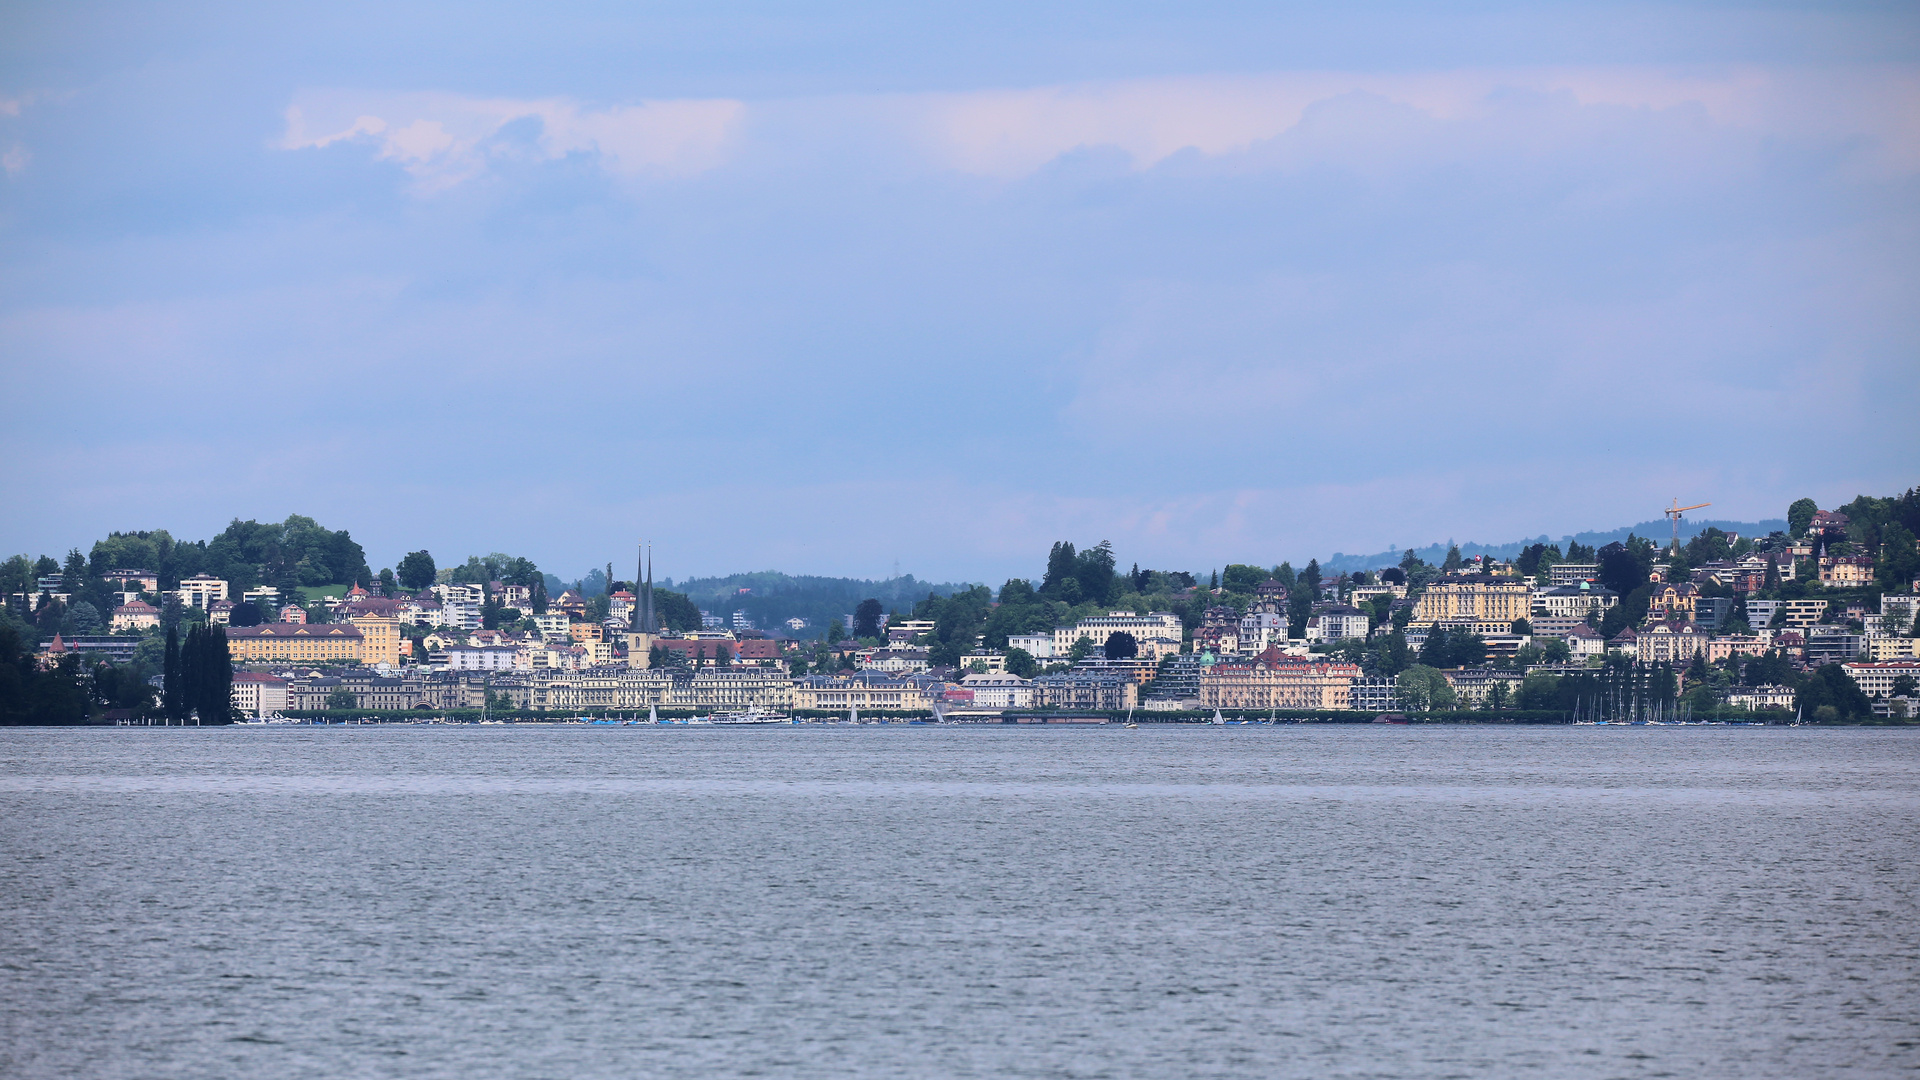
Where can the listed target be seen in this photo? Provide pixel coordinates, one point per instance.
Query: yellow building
(1890, 648)
(1478, 598)
(300, 643)
(379, 639)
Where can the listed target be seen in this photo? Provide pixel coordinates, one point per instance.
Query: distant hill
(1657, 529)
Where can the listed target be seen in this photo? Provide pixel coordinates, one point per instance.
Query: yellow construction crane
(1673, 514)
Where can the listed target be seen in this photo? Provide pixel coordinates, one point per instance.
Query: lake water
(1185, 902)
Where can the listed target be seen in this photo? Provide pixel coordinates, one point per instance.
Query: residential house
(1574, 601)
(1334, 622)
(1584, 641)
(1672, 641)
(135, 615)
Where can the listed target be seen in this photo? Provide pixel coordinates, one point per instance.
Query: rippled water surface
(928, 902)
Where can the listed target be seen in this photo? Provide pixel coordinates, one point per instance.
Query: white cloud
(443, 139)
(1011, 133)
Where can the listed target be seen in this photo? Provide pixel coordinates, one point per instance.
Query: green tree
(171, 688)
(1421, 688)
(342, 700)
(1021, 662)
(416, 570)
(1094, 570)
(73, 578)
(1240, 578)
(82, 618)
(1121, 646)
(1799, 516)
(866, 619)
(1081, 647)
(1830, 687)
(1062, 564)
(1521, 626)
(1395, 656)
(1898, 562)
(836, 631)
(1497, 695)
(1538, 691)
(29, 695)
(1453, 560)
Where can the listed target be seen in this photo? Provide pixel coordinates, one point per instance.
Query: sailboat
(1130, 722)
(853, 714)
(653, 715)
(1217, 718)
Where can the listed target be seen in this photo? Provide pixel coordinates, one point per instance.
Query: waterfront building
(1274, 680)
(999, 691)
(258, 694)
(1085, 690)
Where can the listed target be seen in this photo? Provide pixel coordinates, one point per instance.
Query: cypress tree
(170, 677)
(217, 707)
(190, 665)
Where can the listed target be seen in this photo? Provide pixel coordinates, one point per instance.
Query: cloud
(1008, 134)
(443, 139)
(1013, 133)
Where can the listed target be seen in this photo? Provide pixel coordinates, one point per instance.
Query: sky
(835, 288)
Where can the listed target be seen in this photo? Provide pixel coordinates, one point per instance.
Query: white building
(1584, 641)
(1876, 680)
(1573, 601)
(1154, 624)
(1001, 691)
(1038, 646)
(258, 695)
(201, 590)
(553, 624)
(1572, 573)
(460, 614)
(1335, 623)
(1259, 629)
(476, 658)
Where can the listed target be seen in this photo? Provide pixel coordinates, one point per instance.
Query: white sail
(653, 715)
(1217, 718)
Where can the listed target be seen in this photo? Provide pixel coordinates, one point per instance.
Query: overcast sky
(821, 287)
